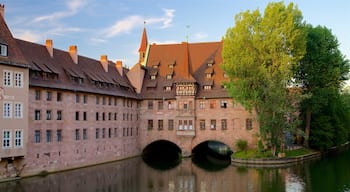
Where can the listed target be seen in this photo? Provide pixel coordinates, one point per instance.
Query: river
(331, 174)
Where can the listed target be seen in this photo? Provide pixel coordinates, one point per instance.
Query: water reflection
(133, 175)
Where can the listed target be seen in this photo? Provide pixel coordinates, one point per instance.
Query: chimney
(2, 10)
(49, 47)
(119, 66)
(73, 51)
(104, 62)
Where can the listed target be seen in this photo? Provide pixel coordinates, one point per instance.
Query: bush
(242, 145)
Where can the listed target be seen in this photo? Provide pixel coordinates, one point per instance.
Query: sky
(114, 27)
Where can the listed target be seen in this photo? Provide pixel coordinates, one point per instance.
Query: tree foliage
(259, 53)
(321, 74)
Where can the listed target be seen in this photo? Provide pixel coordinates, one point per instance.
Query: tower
(143, 47)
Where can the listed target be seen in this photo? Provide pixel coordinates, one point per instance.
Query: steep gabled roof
(188, 63)
(15, 56)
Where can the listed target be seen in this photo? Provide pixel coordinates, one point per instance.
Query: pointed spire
(143, 46)
(144, 41)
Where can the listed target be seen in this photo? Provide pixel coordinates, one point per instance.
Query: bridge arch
(218, 146)
(162, 145)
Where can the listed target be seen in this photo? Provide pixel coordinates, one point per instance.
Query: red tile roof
(191, 65)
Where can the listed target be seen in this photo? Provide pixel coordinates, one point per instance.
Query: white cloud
(129, 23)
(123, 26)
(73, 7)
(28, 35)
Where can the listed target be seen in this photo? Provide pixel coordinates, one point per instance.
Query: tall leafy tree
(259, 53)
(321, 73)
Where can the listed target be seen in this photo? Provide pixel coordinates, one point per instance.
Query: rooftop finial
(2, 10)
(187, 27)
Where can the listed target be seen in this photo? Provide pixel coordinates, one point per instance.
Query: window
(169, 76)
(223, 104)
(48, 114)
(6, 139)
(7, 75)
(190, 125)
(18, 138)
(97, 100)
(207, 87)
(84, 115)
(167, 88)
(18, 111)
(153, 77)
(103, 101)
(85, 98)
(59, 115)
(180, 125)
(97, 116)
(109, 116)
(213, 124)
(48, 136)
(77, 115)
(109, 132)
(37, 95)
(202, 124)
(103, 116)
(150, 124)
(150, 104)
(160, 105)
(201, 104)
(160, 124)
(115, 116)
(170, 124)
(3, 50)
(212, 104)
(77, 98)
(84, 134)
(77, 134)
(208, 75)
(59, 135)
(18, 79)
(7, 111)
(109, 101)
(185, 106)
(59, 96)
(97, 133)
(115, 101)
(224, 124)
(249, 124)
(103, 132)
(48, 96)
(37, 136)
(37, 115)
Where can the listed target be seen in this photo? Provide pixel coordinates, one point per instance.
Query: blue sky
(114, 27)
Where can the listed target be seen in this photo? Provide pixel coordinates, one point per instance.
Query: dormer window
(169, 76)
(208, 75)
(207, 87)
(3, 50)
(211, 63)
(167, 88)
(153, 77)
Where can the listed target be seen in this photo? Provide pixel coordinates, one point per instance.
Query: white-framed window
(18, 138)
(3, 50)
(6, 139)
(18, 110)
(18, 79)
(7, 111)
(7, 75)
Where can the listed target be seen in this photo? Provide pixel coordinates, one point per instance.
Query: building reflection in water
(134, 175)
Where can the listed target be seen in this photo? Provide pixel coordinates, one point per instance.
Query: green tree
(259, 53)
(321, 73)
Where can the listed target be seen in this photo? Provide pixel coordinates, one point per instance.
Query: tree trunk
(307, 127)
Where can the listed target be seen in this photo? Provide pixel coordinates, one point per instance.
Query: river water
(331, 174)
